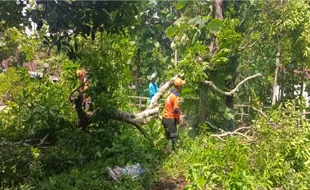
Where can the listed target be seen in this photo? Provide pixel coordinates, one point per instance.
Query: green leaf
(76, 45)
(157, 44)
(181, 4)
(98, 154)
(195, 20)
(113, 15)
(215, 25)
(171, 31)
(53, 15)
(202, 182)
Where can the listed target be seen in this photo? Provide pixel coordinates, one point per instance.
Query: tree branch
(251, 45)
(235, 132)
(233, 91)
(27, 142)
(267, 118)
(261, 112)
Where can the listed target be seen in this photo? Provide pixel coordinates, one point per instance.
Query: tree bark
(218, 9)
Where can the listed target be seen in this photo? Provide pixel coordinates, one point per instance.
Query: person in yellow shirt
(172, 111)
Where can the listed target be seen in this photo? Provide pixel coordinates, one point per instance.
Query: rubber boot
(173, 144)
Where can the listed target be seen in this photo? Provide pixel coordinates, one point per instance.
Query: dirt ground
(169, 184)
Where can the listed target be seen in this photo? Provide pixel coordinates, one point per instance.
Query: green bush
(36, 109)
(277, 158)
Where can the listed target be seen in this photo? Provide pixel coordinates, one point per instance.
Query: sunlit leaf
(215, 25)
(181, 4)
(171, 31)
(113, 15)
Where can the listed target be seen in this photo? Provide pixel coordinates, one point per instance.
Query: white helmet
(153, 76)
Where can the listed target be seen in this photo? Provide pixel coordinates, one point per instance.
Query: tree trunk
(138, 72)
(219, 15)
(230, 102)
(275, 87)
(212, 50)
(218, 9)
(202, 103)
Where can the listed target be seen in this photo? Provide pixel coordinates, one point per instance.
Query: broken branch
(233, 91)
(224, 134)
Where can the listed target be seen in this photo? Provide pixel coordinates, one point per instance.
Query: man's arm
(176, 109)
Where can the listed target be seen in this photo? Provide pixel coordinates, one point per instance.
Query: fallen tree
(136, 119)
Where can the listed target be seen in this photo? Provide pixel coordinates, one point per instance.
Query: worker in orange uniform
(83, 78)
(172, 112)
(82, 74)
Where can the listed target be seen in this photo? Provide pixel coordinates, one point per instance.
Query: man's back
(172, 106)
(153, 89)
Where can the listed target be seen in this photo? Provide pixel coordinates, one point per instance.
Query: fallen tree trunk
(139, 119)
(136, 119)
(162, 90)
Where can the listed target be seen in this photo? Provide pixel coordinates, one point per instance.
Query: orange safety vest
(82, 76)
(172, 106)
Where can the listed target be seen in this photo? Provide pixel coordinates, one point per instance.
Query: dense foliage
(121, 44)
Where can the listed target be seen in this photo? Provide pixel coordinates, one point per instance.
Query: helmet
(178, 82)
(153, 76)
(79, 72)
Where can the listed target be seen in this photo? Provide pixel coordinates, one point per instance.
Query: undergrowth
(41, 149)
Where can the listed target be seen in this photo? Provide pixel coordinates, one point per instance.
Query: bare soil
(169, 184)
